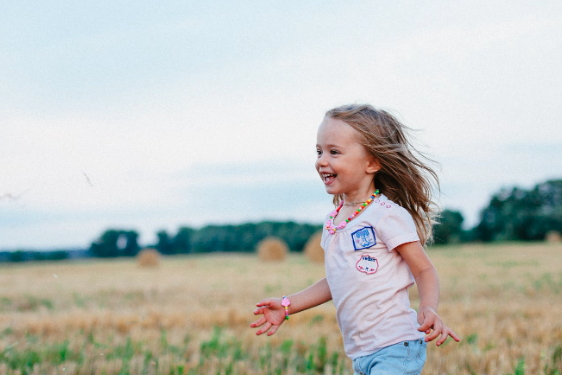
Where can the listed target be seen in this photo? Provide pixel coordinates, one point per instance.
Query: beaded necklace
(329, 224)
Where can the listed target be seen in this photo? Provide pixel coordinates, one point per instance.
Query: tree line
(210, 238)
(513, 214)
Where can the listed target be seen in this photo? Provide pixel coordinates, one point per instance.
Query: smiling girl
(373, 243)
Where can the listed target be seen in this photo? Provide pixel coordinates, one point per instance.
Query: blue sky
(151, 115)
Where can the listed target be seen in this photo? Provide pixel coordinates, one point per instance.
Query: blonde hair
(404, 177)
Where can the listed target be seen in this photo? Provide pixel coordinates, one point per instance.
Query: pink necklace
(330, 223)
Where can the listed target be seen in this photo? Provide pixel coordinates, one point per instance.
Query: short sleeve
(396, 228)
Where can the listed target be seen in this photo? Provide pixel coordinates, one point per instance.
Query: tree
(449, 228)
(132, 246)
(519, 214)
(245, 237)
(106, 245)
(182, 240)
(164, 245)
(114, 243)
(17, 256)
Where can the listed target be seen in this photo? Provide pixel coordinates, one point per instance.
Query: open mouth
(328, 178)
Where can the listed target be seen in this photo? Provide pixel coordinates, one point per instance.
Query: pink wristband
(285, 303)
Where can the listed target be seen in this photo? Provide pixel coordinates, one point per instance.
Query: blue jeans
(404, 358)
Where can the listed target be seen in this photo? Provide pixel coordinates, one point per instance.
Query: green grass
(269, 359)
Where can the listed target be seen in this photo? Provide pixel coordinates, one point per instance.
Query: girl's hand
(273, 316)
(429, 321)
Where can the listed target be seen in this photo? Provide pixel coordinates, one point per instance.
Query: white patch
(367, 264)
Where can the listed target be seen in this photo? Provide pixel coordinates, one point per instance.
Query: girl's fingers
(258, 322)
(427, 324)
(265, 328)
(273, 330)
(453, 335)
(446, 333)
(442, 339)
(258, 311)
(265, 302)
(437, 329)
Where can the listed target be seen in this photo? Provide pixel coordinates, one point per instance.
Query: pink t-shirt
(369, 281)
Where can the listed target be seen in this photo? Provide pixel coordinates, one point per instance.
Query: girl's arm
(428, 287)
(274, 313)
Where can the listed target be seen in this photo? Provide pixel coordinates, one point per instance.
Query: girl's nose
(321, 160)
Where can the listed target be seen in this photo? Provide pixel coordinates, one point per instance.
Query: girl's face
(343, 163)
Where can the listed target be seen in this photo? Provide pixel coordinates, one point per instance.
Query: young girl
(373, 245)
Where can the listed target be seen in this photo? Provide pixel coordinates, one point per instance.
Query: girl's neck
(359, 196)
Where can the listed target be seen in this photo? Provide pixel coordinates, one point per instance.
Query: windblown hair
(405, 176)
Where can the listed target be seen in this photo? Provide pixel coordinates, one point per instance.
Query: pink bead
(330, 223)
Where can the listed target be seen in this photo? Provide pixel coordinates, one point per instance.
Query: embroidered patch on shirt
(363, 238)
(367, 264)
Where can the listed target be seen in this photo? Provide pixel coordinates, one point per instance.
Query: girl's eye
(319, 152)
(333, 152)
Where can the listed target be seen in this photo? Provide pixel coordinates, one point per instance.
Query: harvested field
(191, 315)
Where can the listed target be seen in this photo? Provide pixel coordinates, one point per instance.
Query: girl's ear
(373, 165)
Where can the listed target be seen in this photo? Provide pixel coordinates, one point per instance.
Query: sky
(151, 115)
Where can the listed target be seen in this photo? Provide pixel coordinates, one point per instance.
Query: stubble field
(191, 315)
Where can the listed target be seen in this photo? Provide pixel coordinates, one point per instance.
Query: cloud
(115, 116)
(210, 194)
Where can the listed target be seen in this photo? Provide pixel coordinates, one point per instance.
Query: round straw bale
(312, 250)
(553, 236)
(148, 257)
(272, 249)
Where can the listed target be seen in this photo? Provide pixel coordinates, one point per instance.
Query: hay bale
(272, 249)
(148, 257)
(312, 250)
(553, 237)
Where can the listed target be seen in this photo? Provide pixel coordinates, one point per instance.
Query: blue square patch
(364, 238)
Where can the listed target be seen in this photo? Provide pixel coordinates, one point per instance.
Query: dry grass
(148, 258)
(272, 249)
(103, 316)
(313, 251)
